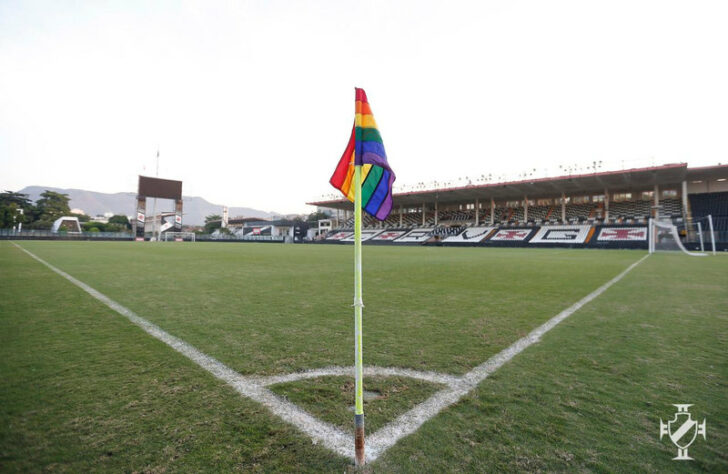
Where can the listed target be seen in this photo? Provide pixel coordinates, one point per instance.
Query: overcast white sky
(251, 103)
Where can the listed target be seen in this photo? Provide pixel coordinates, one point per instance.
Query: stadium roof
(615, 181)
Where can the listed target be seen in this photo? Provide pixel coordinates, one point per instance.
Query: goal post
(712, 232)
(179, 236)
(698, 233)
(664, 236)
(700, 236)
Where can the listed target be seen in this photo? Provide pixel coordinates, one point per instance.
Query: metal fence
(47, 234)
(8, 234)
(235, 238)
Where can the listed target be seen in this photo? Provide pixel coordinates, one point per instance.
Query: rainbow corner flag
(365, 148)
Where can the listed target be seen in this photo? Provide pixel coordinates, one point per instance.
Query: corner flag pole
(364, 136)
(358, 305)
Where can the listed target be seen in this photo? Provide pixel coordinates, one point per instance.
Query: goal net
(697, 233)
(664, 236)
(179, 236)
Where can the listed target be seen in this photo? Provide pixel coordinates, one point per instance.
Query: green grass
(85, 390)
(331, 398)
(270, 309)
(590, 395)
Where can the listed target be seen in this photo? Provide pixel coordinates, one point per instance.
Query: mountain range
(93, 204)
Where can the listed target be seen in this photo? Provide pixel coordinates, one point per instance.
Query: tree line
(17, 208)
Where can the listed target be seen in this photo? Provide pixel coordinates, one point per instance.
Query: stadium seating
(408, 220)
(367, 221)
(348, 224)
(419, 235)
(456, 216)
(561, 234)
(626, 211)
(442, 231)
(453, 222)
(470, 235)
(502, 214)
(538, 213)
(484, 215)
(516, 215)
(579, 212)
(715, 205)
(671, 207)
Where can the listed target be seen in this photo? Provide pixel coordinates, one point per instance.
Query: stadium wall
(629, 236)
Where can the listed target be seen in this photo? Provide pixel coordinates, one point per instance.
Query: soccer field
(84, 389)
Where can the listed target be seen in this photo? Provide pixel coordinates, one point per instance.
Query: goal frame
(668, 225)
(173, 236)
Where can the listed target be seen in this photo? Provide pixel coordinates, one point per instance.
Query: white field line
(324, 433)
(369, 371)
(321, 432)
(410, 421)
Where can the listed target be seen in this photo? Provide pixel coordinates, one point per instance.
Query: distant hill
(93, 203)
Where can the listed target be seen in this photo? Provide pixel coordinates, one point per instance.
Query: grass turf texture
(84, 390)
(331, 398)
(82, 381)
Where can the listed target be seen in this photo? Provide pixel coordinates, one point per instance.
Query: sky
(251, 103)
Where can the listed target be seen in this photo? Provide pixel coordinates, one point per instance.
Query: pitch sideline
(321, 432)
(324, 433)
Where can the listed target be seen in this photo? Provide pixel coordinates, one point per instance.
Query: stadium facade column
(525, 208)
(492, 211)
(140, 221)
(436, 214)
(477, 211)
(563, 207)
(656, 194)
(424, 211)
(178, 216)
(685, 199)
(400, 215)
(606, 204)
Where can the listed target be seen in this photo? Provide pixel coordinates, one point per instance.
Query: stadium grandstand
(609, 209)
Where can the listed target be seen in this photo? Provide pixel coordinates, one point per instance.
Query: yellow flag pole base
(359, 440)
